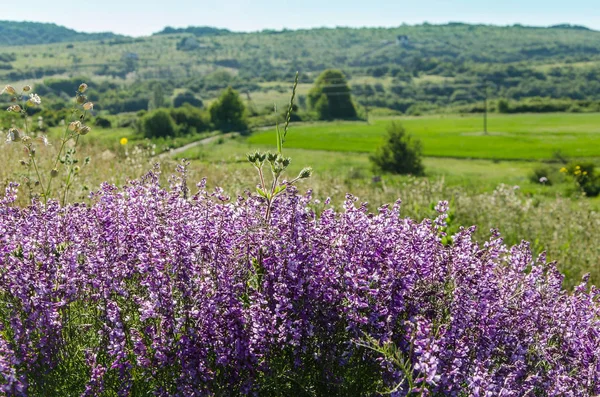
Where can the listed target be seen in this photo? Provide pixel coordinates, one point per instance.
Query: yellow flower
(577, 172)
(124, 141)
(563, 170)
(584, 172)
(577, 167)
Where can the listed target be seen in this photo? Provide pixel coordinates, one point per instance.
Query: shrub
(187, 97)
(157, 124)
(586, 178)
(150, 291)
(102, 122)
(400, 154)
(190, 119)
(543, 175)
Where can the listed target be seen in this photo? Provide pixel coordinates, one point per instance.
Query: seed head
(9, 90)
(83, 88)
(74, 125)
(54, 173)
(81, 99)
(14, 135)
(88, 106)
(84, 130)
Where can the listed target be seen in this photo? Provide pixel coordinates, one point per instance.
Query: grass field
(510, 137)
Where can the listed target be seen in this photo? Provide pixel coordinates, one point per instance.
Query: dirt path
(200, 142)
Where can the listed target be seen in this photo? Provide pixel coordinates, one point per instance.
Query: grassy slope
(305, 50)
(525, 136)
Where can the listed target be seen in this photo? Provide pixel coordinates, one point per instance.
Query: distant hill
(196, 31)
(25, 33)
(408, 68)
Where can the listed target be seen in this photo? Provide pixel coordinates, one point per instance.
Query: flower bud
(27, 88)
(54, 173)
(305, 173)
(88, 106)
(81, 99)
(84, 130)
(9, 90)
(83, 88)
(74, 125)
(76, 169)
(14, 135)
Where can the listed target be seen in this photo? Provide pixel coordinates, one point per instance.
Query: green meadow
(509, 137)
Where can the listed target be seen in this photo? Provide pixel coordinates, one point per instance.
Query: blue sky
(145, 17)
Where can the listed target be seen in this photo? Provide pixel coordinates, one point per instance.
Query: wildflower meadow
(175, 289)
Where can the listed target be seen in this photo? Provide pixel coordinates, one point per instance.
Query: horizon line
(565, 25)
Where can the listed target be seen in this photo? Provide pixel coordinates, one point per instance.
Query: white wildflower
(34, 100)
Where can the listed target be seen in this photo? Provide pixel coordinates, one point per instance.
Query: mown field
(510, 137)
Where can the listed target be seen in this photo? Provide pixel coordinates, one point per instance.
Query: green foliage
(228, 112)
(157, 100)
(586, 178)
(190, 119)
(544, 175)
(400, 154)
(23, 33)
(330, 97)
(187, 97)
(158, 124)
(102, 122)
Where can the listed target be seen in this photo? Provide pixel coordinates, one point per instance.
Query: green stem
(38, 174)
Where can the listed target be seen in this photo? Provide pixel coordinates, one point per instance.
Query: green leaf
(279, 189)
(262, 193)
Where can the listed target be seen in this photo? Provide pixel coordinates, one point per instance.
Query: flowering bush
(149, 291)
(585, 177)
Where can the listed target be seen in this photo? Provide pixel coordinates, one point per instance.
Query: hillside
(407, 68)
(26, 33)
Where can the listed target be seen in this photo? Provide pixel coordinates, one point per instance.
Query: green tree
(158, 123)
(399, 154)
(330, 96)
(228, 113)
(158, 97)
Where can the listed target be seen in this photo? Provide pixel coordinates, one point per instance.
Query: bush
(586, 178)
(145, 292)
(157, 124)
(190, 119)
(542, 175)
(400, 154)
(102, 122)
(187, 97)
